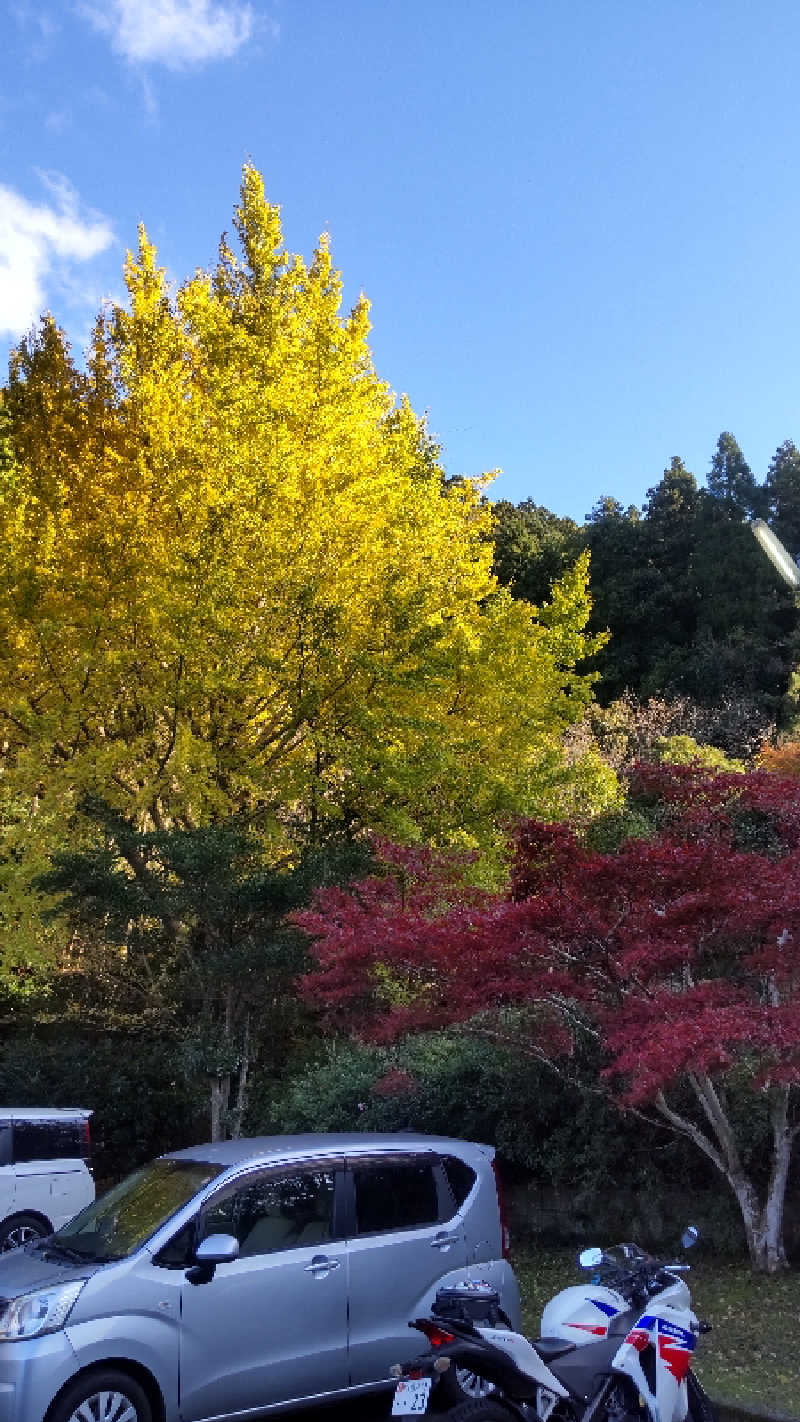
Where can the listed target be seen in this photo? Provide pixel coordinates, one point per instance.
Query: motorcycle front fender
(669, 1402)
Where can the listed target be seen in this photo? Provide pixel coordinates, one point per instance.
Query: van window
(50, 1140)
(276, 1212)
(393, 1195)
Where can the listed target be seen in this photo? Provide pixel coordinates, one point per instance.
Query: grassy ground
(752, 1355)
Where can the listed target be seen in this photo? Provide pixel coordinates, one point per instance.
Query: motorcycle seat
(552, 1348)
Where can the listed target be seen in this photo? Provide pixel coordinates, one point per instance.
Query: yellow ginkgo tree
(235, 580)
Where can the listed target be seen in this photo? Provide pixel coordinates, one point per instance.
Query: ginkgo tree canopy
(235, 579)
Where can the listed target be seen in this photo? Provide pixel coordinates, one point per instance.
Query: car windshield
(118, 1223)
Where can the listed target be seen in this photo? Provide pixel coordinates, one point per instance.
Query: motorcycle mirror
(590, 1258)
(690, 1236)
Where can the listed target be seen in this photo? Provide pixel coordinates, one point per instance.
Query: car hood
(24, 1270)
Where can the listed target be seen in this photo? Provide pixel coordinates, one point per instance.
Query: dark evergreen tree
(783, 491)
(533, 548)
(743, 644)
(690, 600)
(670, 531)
(622, 586)
(731, 481)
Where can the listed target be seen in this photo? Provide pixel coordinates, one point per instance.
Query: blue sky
(578, 223)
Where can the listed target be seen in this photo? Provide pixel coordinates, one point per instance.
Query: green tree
(183, 931)
(731, 480)
(622, 584)
(533, 548)
(745, 619)
(783, 490)
(668, 619)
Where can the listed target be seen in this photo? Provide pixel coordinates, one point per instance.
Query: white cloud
(38, 242)
(174, 32)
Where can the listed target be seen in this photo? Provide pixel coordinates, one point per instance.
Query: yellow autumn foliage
(234, 578)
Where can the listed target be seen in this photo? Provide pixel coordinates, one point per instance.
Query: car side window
(48, 1140)
(275, 1212)
(394, 1195)
(460, 1177)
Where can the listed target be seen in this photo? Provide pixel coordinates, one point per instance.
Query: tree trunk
(237, 1113)
(762, 1218)
(220, 1095)
(754, 1214)
(763, 1226)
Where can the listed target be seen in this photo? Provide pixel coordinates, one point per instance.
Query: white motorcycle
(617, 1349)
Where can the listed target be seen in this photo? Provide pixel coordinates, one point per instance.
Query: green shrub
(143, 1103)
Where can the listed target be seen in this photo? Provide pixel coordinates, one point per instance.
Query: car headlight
(45, 1311)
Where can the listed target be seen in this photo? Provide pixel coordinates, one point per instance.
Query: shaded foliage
(186, 928)
(143, 1093)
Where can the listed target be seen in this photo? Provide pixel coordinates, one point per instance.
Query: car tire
(103, 1396)
(21, 1229)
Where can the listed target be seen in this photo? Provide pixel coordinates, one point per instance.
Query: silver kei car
(229, 1280)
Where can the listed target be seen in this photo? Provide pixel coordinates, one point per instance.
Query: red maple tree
(681, 949)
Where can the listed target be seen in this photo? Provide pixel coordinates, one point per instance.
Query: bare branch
(689, 1129)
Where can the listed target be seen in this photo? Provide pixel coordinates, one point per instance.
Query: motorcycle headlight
(45, 1311)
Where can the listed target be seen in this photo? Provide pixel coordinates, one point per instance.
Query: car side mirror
(215, 1249)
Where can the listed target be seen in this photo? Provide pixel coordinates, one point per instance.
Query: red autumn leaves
(681, 947)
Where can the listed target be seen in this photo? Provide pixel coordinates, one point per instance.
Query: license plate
(411, 1395)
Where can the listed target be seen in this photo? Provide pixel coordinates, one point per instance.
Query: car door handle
(321, 1264)
(443, 1241)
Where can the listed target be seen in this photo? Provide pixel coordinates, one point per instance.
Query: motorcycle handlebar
(634, 1273)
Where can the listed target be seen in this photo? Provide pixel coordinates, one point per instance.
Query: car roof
(43, 1113)
(279, 1148)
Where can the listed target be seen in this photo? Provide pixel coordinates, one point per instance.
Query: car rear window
(49, 1140)
(460, 1177)
(392, 1195)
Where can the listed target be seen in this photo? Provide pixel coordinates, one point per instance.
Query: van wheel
(20, 1229)
(103, 1397)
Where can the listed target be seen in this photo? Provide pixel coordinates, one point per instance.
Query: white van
(44, 1172)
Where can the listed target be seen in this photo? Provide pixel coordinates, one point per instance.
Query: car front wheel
(103, 1397)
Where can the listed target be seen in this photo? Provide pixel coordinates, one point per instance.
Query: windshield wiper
(54, 1250)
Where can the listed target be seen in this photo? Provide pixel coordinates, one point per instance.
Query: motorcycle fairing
(672, 1344)
(582, 1314)
(524, 1357)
